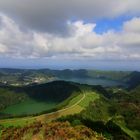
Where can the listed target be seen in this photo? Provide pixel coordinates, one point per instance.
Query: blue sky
(103, 25)
(70, 34)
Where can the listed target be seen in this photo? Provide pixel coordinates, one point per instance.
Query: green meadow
(28, 107)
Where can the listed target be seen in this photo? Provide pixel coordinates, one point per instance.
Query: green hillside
(34, 99)
(122, 108)
(112, 111)
(115, 114)
(82, 96)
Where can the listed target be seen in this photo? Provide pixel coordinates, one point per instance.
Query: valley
(70, 70)
(23, 77)
(28, 107)
(75, 105)
(108, 109)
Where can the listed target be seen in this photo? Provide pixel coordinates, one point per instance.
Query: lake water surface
(95, 81)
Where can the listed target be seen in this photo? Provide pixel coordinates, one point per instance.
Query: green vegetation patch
(28, 107)
(9, 97)
(89, 97)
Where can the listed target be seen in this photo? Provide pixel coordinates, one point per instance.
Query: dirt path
(44, 115)
(68, 107)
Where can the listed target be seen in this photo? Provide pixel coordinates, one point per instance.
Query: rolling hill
(20, 77)
(35, 98)
(112, 111)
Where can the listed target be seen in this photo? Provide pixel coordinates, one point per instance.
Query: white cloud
(52, 15)
(84, 43)
(132, 26)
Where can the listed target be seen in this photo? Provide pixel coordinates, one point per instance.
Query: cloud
(52, 15)
(84, 43)
(132, 26)
(131, 33)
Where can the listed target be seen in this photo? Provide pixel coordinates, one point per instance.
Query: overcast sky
(99, 34)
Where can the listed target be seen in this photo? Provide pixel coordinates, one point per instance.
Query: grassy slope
(133, 133)
(34, 99)
(130, 110)
(80, 106)
(70, 109)
(29, 106)
(8, 97)
(121, 103)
